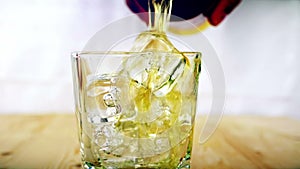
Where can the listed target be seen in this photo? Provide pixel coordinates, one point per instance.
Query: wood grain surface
(50, 142)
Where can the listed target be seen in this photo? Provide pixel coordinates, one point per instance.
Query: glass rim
(77, 53)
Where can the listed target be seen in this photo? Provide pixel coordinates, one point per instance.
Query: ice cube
(109, 112)
(113, 138)
(111, 145)
(162, 144)
(102, 102)
(107, 138)
(112, 111)
(108, 130)
(98, 85)
(98, 137)
(109, 100)
(97, 90)
(94, 118)
(121, 91)
(158, 71)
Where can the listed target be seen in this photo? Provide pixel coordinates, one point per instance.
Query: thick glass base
(184, 164)
(178, 157)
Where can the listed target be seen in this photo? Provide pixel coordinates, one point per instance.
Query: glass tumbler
(135, 110)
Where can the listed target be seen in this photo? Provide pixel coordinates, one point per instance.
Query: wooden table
(50, 141)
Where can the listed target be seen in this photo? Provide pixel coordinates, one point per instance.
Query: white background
(258, 45)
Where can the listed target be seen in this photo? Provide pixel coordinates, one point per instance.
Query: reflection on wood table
(50, 141)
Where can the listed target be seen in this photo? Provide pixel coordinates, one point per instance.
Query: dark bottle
(214, 10)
